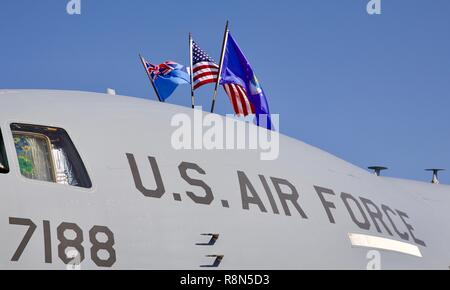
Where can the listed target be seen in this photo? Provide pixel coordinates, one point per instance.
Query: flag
(237, 70)
(166, 77)
(239, 100)
(206, 71)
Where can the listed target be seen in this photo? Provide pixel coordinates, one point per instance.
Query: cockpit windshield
(48, 154)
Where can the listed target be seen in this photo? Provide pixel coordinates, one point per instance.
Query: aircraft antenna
(377, 169)
(435, 171)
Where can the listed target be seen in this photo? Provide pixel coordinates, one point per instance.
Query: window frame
(4, 168)
(88, 184)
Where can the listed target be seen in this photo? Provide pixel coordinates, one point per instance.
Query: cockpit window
(35, 157)
(4, 168)
(48, 154)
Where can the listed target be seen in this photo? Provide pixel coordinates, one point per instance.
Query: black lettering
(47, 242)
(209, 197)
(269, 194)
(375, 214)
(156, 193)
(26, 238)
(292, 196)
(410, 228)
(245, 184)
(363, 225)
(388, 210)
(69, 243)
(326, 204)
(106, 246)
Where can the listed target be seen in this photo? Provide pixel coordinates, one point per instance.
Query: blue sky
(369, 89)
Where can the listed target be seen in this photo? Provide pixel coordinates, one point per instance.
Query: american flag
(239, 99)
(206, 71)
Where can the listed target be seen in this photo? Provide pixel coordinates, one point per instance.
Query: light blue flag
(167, 77)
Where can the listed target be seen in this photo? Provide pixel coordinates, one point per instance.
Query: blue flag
(167, 77)
(237, 70)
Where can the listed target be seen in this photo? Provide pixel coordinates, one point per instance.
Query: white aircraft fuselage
(150, 206)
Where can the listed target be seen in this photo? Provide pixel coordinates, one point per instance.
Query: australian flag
(237, 70)
(167, 76)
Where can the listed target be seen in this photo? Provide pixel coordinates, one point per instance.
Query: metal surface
(154, 211)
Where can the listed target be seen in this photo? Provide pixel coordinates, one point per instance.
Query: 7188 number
(69, 243)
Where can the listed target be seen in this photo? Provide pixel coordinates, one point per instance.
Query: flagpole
(225, 38)
(191, 71)
(150, 78)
